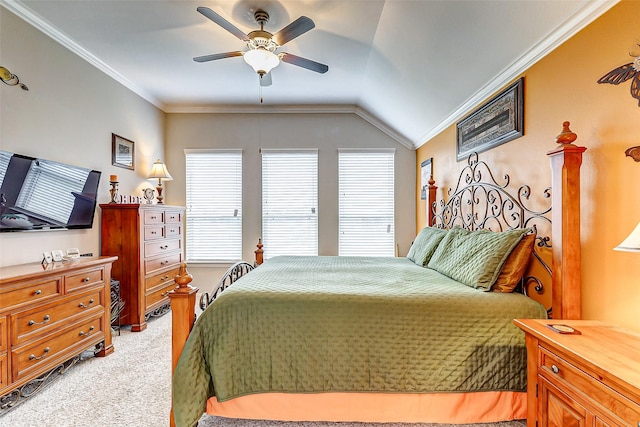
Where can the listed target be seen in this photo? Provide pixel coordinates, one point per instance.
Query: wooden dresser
(50, 314)
(148, 241)
(587, 379)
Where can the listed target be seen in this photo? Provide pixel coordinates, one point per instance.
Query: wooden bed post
(431, 199)
(183, 303)
(565, 236)
(259, 253)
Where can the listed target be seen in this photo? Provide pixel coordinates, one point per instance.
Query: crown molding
(577, 22)
(43, 25)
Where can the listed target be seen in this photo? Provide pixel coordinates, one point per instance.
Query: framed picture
(426, 169)
(122, 152)
(499, 120)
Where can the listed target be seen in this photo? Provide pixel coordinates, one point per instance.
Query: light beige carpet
(132, 387)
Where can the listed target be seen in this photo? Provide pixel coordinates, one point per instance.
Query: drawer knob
(45, 319)
(82, 305)
(164, 247)
(86, 279)
(86, 334)
(165, 294)
(38, 292)
(154, 217)
(34, 357)
(555, 369)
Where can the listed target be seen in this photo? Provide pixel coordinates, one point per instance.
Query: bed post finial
(259, 252)
(566, 136)
(565, 217)
(431, 200)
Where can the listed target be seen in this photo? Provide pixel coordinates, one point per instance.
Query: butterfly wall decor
(624, 73)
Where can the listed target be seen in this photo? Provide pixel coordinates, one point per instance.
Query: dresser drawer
(153, 266)
(38, 321)
(49, 351)
(32, 293)
(84, 279)
(570, 379)
(172, 217)
(160, 247)
(159, 297)
(161, 278)
(153, 217)
(153, 232)
(173, 230)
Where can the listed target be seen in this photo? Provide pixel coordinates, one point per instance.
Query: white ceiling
(410, 67)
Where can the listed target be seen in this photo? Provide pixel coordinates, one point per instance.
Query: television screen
(39, 194)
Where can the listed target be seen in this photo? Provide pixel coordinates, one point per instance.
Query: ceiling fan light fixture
(261, 60)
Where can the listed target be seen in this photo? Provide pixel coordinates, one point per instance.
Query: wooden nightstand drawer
(41, 355)
(40, 320)
(84, 279)
(161, 247)
(153, 232)
(32, 293)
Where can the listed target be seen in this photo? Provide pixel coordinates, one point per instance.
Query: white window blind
(214, 205)
(366, 202)
(290, 202)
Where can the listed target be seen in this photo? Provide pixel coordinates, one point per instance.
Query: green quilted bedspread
(350, 324)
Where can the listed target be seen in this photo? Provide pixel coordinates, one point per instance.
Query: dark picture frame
(426, 170)
(499, 120)
(122, 152)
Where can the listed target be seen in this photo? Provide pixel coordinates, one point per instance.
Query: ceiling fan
(262, 54)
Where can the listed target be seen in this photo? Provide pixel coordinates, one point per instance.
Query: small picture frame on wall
(499, 120)
(122, 152)
(426, 170)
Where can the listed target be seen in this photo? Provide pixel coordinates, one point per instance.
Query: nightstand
(588, 378)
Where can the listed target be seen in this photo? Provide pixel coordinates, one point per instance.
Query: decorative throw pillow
(425, 245)
(474, 258)
(515, 265)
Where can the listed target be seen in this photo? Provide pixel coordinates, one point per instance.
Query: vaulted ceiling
(410, 67)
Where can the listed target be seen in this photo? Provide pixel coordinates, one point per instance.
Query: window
(289, 202)
(214, 205)
(366, 202)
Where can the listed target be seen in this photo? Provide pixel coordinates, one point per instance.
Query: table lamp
(632, 242)
(159, 171)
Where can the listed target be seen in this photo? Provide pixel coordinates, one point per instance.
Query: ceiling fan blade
(293, 30)
(265, 79)
(304, 63)
(214, 56)
(223, 23)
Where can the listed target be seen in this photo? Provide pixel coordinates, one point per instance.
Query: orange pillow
(515, 265)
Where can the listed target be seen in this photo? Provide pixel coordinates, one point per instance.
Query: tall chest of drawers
(148, 240)
(49, 314)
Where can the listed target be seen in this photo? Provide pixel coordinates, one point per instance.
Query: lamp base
(159, 196)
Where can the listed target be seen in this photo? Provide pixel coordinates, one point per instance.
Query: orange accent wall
(563, 86)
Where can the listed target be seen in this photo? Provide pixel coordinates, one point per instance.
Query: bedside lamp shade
(632, 242)
(159, 171)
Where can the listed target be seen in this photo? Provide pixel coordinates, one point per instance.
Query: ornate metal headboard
(479, 201)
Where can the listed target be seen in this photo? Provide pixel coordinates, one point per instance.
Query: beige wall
(326, 132)
(561, 87)
(68, 115)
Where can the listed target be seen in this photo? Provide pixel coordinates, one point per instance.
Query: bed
(420, 338)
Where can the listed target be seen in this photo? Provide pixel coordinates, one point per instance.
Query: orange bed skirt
(446, 408)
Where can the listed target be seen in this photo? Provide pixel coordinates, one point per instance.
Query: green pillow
(425, 245)
(474, 258)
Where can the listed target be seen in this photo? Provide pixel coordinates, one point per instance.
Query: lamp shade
(159, 171)
(632, 242)
(261, 60)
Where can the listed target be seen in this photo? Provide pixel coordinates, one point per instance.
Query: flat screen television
(38, 194)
